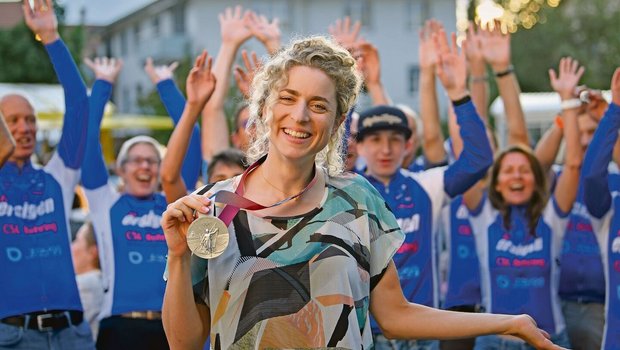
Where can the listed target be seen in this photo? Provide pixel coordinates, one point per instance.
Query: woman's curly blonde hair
(316, 52)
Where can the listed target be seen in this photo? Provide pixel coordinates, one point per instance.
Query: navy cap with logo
(382, 118)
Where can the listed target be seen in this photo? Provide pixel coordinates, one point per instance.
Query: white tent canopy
(540, 109)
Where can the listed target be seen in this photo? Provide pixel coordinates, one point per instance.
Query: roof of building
(10, 13)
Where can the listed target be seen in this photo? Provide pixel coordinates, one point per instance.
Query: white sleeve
(558, 222)
(100, 201)
(67, 178)
(432, 181)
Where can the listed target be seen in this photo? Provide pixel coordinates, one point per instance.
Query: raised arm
(565, 83)
(244, 76)
(42, 21)
(477, 155)
(345, 33)
(94, 171)
(174, 102)
(599, 154)
(401, 319)
(496, 51)
(432, 137)
(478, 80)
(200, 85)
(369, 64)
(268, 33)
(7, 144)
(235, 31)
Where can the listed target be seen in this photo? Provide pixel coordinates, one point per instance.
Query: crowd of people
(347, 227)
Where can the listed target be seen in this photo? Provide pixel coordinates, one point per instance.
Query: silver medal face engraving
(207, 237)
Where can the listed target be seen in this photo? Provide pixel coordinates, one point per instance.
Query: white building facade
(172, 29)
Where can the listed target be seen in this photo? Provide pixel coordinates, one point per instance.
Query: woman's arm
(599, 154)
(401, 319)
(200, 85)
(496, 51)
(187, 324)
(568, 182)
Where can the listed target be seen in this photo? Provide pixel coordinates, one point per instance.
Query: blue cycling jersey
(35, 257)
(602, 201)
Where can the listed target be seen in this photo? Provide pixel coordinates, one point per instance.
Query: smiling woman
(303, 268)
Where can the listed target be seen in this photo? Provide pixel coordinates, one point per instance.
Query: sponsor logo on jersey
(151, 220)
(27, 211)
(504, 245)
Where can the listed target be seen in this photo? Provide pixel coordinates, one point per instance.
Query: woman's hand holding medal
(176, 219)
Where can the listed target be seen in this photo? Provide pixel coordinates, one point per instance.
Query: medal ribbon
(235, 200)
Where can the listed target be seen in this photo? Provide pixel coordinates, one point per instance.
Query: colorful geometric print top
(302, 281)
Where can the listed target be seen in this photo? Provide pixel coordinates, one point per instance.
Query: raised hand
(427, 51)
(597, 105)
(176, 220)
(474, 53)
(566, 80)
(266, 32)
(345, 34)
(451, 66)
(105, 68)
(42, 20)
(368, 62)
(244, 77)
(235, 25)
(159, 73)
(615, 87)
(495, 47)
(200, 81)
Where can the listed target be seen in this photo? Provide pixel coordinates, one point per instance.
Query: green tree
(585, 30)
(23, 59)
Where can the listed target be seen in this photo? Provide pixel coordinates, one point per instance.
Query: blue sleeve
(598, 155)
(72, 143)
(476, 156)
(174, 102)
(94, 171)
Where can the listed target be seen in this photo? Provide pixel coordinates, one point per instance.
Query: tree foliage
(23, 59)
(585, 30)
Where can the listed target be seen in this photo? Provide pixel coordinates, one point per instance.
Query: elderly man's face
(22, 123)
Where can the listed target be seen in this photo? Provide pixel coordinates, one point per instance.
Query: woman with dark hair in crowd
(519, 227)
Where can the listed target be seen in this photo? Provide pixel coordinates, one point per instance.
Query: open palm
(42, 20)
(200, 81)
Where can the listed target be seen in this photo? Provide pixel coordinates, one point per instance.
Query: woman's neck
(285, 177)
